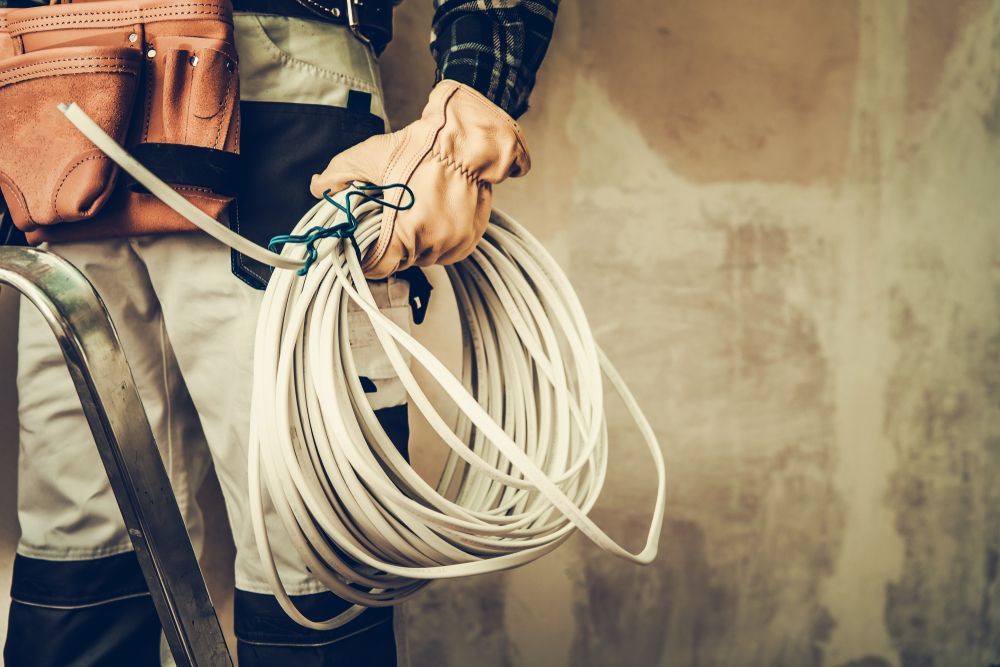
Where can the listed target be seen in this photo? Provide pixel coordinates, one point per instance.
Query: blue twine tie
(344, 230)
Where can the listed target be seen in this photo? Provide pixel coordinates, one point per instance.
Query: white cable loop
(528, 454)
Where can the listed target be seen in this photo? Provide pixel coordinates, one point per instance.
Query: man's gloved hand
(451, 157)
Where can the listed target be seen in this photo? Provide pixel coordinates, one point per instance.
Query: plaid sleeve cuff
(494, 46)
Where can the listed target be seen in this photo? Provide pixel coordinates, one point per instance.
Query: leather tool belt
(160, 76)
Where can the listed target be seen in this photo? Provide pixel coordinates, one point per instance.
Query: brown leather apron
(160, 76)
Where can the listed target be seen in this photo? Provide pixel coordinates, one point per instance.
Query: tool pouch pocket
(190, 122)
(49, 172)
(193, 92)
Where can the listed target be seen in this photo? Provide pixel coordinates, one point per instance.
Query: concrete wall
(781, 218)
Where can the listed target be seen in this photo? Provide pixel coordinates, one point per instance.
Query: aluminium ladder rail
(118, 421)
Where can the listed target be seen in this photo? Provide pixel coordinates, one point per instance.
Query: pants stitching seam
(326, 643)
(84, 605)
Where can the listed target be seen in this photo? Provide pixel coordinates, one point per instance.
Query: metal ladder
(118, 421)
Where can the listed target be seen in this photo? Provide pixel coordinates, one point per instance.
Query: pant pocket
(283, 145)
(49, 172)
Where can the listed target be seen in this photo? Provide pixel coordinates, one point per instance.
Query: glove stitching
(389, 220)
(460, 168)
(394, 156)
(406, 173)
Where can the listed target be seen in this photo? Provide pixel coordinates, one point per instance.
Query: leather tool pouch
(158, 76)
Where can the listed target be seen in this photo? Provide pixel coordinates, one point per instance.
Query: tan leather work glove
(451, 157)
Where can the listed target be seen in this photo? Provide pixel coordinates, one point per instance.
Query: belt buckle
(353, 23)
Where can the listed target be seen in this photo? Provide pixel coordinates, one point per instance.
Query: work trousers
(185, 310)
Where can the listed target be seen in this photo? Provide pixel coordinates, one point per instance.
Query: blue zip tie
(344, 229)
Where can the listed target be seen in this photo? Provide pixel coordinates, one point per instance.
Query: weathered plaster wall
(781, 218)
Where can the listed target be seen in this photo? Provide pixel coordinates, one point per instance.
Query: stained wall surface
(782, 219)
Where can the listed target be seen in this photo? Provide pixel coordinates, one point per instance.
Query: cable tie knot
(344, 230)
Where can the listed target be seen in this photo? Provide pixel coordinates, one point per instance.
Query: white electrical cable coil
(528, 454)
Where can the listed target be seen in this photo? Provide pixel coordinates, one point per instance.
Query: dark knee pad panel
(266, 636)
(86, 613)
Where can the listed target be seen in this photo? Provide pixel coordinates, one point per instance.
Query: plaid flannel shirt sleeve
(494, 46)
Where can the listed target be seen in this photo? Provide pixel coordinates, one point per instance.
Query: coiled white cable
(528, 454)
